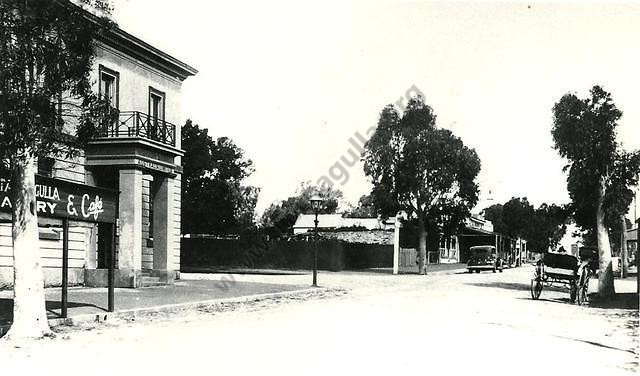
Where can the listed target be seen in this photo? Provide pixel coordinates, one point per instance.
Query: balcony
(139, 124)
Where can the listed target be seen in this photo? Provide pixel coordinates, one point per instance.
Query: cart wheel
(583, 290)
(477, 270)
(582, 296)
(536, 288)
(573, 291)
(583, 284)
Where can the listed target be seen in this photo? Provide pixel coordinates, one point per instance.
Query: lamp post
(316, 202)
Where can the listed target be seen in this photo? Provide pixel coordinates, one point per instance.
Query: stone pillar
(162, 230)
(130, 213)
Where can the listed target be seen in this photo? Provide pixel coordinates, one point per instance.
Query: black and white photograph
(306, 187)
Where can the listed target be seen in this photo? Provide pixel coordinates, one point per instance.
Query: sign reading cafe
(63, 199)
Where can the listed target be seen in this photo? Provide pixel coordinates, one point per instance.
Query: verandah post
(65, 268)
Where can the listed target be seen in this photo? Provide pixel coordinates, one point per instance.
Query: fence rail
(139, 124)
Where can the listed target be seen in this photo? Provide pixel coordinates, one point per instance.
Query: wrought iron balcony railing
(139, 124)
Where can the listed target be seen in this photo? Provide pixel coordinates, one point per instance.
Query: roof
(148, 54)
(382, 237)
(482, 247)
(324, 221)
(479, 223)
(471, 231)
(331, 221)
(137, 48)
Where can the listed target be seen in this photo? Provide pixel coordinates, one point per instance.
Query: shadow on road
(53, 309)
(513, 286)
(551, 300)
(619, 301)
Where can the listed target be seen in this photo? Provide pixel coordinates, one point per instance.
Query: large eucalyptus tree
(600, 172)
(424, 170)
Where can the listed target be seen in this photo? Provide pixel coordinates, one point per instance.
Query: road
(380, 325)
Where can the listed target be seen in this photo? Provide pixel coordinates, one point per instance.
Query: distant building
(455, 249)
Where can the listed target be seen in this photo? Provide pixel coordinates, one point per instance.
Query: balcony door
(156, 114)
(108, 90)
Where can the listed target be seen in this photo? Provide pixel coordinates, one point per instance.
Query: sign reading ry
(63, 199)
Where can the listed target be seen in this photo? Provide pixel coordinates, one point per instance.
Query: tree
(421, 169)
(47, 50)
(279, 218)
(365, 209)
(494, 214)
(600, 172)
(214, 198)
(517, 214)
(541, 228)
(547, 228)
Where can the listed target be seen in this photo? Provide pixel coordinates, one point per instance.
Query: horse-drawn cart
(567, 270)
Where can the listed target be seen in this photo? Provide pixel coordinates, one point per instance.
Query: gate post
(396, 244)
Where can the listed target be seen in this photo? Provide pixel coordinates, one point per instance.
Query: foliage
(421, 169)
(279, 218)
(47, 52)
(494, 214)
(365, 209)
(214, 198)
(548, 227)
(518, 215)
(542, 228)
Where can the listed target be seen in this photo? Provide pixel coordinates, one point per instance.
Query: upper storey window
(109, 82)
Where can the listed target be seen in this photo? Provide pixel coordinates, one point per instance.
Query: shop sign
(57, 198)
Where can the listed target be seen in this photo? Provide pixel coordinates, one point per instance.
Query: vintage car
(484, 257)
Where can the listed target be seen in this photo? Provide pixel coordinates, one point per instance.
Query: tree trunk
(605, 280)
(29, 314)
(623, 248)
(422, 248)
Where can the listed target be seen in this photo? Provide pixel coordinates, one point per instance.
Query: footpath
(90, 304)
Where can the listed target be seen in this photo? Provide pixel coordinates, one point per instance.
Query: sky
(292, 81)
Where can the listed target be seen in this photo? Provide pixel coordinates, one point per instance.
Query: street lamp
(316, 202)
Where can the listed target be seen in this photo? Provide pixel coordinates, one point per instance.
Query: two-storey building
(139, 156)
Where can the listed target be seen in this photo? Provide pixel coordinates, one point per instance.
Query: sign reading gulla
(62, 199)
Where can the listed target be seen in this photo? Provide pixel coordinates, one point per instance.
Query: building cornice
(139, 49)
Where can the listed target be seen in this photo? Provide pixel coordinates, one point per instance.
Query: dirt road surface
(366, 324)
